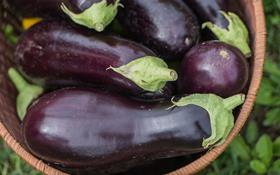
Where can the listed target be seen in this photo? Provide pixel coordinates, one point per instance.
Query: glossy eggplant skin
(51, 8)
(209, 10)
(213, 67)
(57, 54)
(168, 27)
(89, 129)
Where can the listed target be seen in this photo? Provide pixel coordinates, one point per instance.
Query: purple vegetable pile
(109, 85)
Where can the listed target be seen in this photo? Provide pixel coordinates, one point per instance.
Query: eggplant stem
(234, 101)
(236, 34)
(99, 27)
(17, 80)
(27, 92)
(165, 74)
(220, 113)
(98, 16)
(149, 73)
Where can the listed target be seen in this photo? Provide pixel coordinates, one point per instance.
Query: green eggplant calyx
(149, 73)
(220, 113)
(97, 17)
(27, 92)
(236, 34)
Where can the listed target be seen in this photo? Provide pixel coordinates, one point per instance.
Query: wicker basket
(10, 125)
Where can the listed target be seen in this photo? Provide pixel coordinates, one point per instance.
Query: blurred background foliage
(256, 150)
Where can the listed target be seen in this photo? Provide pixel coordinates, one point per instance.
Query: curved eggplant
(85, 128)
(220, 17)
(56, 54)
(213, 67)
(94, 14)
(168, 27)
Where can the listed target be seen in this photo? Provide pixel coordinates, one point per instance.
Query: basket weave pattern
(10, 125)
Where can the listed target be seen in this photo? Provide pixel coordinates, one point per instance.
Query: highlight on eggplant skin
(55, 54)
(93, 14)
(127, 134)
(167, 27)
(213, 67)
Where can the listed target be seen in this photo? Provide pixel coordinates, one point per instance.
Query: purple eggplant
(168, 27)
(89, 129)
(210, 10)
(56, 54)
(227, 27)
(213, 67)
(94, 14)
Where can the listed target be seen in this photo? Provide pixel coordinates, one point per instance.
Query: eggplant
(94, 14)
(56, 54)
(229, 27)
(213, 67)
(168, 27)
(210, 10)
(80, 128)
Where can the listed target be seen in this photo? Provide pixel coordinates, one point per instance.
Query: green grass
(11, 164)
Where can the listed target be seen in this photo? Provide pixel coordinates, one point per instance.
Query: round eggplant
(89, 129)
(213, 67)
(95, 14)
(56, 54)
(166, 26)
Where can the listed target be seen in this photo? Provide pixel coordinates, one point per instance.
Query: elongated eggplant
(86, 128)
(210, 10)
(229, 27)
(56, 54)
(95, 14)
(167, 26)
(213, 67)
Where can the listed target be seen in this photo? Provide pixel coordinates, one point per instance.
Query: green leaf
(265, 93)
(275, 168)
(240, 148)
(8, 31)
(275, 79)
(265, 96)
(272, 117)
(264, 149)
(252, 132)
(276, 147)
(258, 167)
(272, 68)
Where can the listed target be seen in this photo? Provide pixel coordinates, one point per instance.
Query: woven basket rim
(205, 160)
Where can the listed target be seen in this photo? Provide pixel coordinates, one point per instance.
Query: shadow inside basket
(7, 91)
(8, 94)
